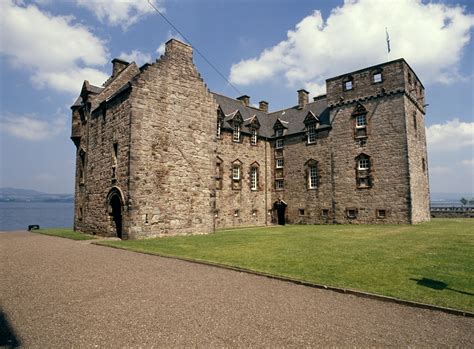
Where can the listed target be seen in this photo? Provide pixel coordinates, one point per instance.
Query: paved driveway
(61, 293)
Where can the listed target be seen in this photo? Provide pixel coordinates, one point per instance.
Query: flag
(388, 40)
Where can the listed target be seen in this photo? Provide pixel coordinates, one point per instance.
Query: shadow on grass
(438, 285)
(8, 338)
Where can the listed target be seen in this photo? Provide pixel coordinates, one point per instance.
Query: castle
(158, 153)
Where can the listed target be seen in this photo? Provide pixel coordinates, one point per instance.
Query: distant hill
(450, 197)
(28, 195)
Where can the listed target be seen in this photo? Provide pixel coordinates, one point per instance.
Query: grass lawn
(64, 233)
(430, 262)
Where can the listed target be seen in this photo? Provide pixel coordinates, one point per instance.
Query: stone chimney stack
(244, 99)
(176, 48)
(303, 98)
(263, 106)
(118, 65)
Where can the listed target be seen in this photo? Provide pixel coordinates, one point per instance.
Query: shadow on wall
(438, 285)
(8, 338)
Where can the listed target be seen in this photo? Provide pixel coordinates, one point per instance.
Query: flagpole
(387, 37)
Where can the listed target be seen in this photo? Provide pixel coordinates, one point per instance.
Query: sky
(267, 49)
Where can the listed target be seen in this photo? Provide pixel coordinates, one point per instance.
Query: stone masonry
(157, 153)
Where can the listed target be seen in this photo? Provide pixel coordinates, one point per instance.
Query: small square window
(279, 163)
(348, 85)
(377, 77)
(236, 213)
(301, 211)
(361, 121)
(254, 212)
(363, 164)
(363, 182)
(381, 214)
(279, 144)
(325, 213)
(216, 213)
(351, 213)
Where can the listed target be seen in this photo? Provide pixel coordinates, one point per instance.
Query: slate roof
(89, 88)
(292, 118)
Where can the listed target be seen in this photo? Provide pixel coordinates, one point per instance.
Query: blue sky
(268, 49)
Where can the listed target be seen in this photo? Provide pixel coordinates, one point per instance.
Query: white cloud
(451, 135)
(468, 162)
(441, 170)
(59, 52)
(32, 128)
(121, 13)
(136, 56)
(430, 36)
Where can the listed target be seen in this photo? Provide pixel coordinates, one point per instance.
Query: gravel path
(59, 293)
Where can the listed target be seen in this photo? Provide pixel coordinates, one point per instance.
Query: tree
(471, 202)
(463, 201)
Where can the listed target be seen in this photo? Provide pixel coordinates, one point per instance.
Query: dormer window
(347, 83)
(236, 133)
(311, 133)
(279, 132)
(253, 137)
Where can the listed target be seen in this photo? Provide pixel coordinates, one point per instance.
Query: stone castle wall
(173, 148)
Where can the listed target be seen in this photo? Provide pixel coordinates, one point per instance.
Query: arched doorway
(116, 206)
(115, 210)
(280, 207)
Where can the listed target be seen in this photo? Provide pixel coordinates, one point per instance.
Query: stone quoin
(158, 153)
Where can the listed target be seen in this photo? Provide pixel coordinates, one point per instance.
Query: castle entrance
(115, 209)
(280, 207)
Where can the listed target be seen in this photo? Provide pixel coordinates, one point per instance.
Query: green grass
(64, 233)
(409, 262)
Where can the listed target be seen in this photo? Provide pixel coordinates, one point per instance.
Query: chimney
(303, 98)
(244, 99)
(263, 106)
(118, 65)
(177, 48)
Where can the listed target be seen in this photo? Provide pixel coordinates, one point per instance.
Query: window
(363, 164)
(348, 85)
(279, 184)
(218, 129)
(363, 171)
(325, 213)
(254, 212)
(236, 134)
(279, 144)
(423, 165)
(216, 213)
(311, 133)
(253, 139)
(82, 165)
(279, 163)
(114, 160)
(236, 172)
(279, 133)
(313, 177)
(301, 211)
(381, 214)
(351, 213)
(415, 126)
(377, 77)
(409, 78)
(254, 178)
(236, 213)
(361, 141)
(218, 174)
(361, 121)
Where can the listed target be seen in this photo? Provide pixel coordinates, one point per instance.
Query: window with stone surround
(360, 124)
(236, 175)
(325, 213)
(254, 212)
(363, 171)
(279, 163)
(351, 213)
(279, 144)
(348, 83)
(82, 165)
(301, 211)
(219, 173)
(415, 125)
(236, 213)
(381, 213)
(377, 76)
(254, 136)
(254, 177)
(279, 184)
(236, 132)
(311, 133)
(312, 178)
(423, 165)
